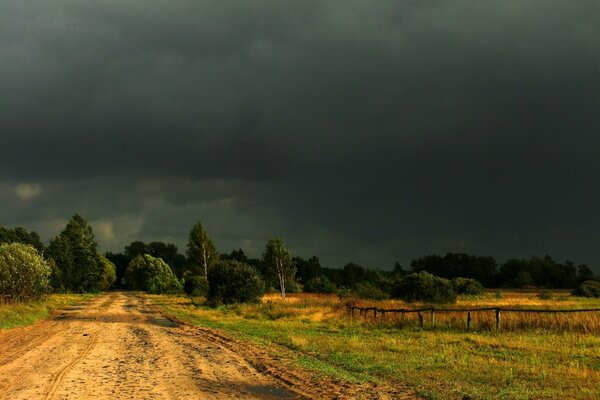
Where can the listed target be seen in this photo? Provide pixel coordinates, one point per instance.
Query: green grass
(21, 314)
(438, 364)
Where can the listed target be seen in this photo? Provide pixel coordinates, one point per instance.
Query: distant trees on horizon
(76, 266)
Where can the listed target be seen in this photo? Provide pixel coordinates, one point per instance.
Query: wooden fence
(381, 312)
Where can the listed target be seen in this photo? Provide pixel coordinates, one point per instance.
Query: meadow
(533, 356)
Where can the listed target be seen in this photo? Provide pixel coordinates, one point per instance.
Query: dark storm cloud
(371, 131)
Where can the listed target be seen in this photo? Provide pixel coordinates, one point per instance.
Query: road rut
(119, 346)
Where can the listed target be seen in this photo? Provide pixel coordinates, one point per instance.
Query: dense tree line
(73, 264)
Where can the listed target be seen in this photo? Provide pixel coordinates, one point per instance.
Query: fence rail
(364, 311)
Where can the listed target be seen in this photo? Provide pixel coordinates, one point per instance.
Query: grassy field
(532, 360)
(26, 313)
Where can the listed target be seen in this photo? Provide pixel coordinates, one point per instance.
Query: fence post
(375, 314)
(420, 319)
(468, 321)
(497, 318)
(382, 315)
(433, 318)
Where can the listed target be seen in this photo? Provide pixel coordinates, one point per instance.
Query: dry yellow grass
(528, 359)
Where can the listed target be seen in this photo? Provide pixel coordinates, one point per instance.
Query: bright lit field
(532, 357)
(13, 315)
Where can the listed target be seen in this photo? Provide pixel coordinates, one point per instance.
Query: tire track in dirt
(120, 346)
(61, 373)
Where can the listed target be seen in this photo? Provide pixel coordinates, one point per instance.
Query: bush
(425, 287)
(466, 286)
(23, 271)
(196, 286)
(108, 276)
(320, 284)
(231, 281)
(589, 288)
(366, 290)
(151, 275)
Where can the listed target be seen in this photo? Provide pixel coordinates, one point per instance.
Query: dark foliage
(151, 275)
(20, 235)
(231, 281)
(320, 284)
(454, 265)
(466, 286)
(588, 289)
(196, 285)
(74, 251)
(424, 287)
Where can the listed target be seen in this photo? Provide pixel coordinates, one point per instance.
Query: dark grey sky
(367, 131)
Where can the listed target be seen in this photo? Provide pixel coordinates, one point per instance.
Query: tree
(278, 260)
(588, 289)
(20, 235)
(74, 251)
(231, 281)
(424, 287)
(152, 275)
(319, 284)
(307, 269)
(109, 274)
(201, 252)
(23, 271)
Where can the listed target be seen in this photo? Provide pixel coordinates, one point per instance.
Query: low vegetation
(24, 274)
(588, 289)
(442, 363)
(21, 313)
(424, 287)
(234, 282)
(151, 275)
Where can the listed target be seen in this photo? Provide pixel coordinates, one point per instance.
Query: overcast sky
(366, 131)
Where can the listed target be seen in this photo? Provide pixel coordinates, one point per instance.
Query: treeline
(73, 264)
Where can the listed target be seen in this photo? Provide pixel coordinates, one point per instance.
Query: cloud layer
(369, 132)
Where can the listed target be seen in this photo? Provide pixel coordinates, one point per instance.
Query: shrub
(425, 287)
(545, 294)
(466, 286)
(366, 290)
(231, 281)
(108, 276)
(589, 288)
(196, 286)
(152, 275)
(320, 284)
(23, 271)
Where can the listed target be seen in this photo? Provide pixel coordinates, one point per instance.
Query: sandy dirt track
(117, 346)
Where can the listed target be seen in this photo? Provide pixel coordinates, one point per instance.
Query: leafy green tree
(424, 287)
(307, 269)
(588, 289)
(201, 252)
(195, 286)
(109, 274)
(151, 275)
(466, 286)
(278, 261)
(75, 252)
(20, 235)
(23, 271)
(231, 281)
(320, 284)
(584, 273)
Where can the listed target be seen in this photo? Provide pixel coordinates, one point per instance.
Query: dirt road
(118, 346)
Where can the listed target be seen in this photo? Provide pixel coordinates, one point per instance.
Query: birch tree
(201, 252)
(278, 260)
